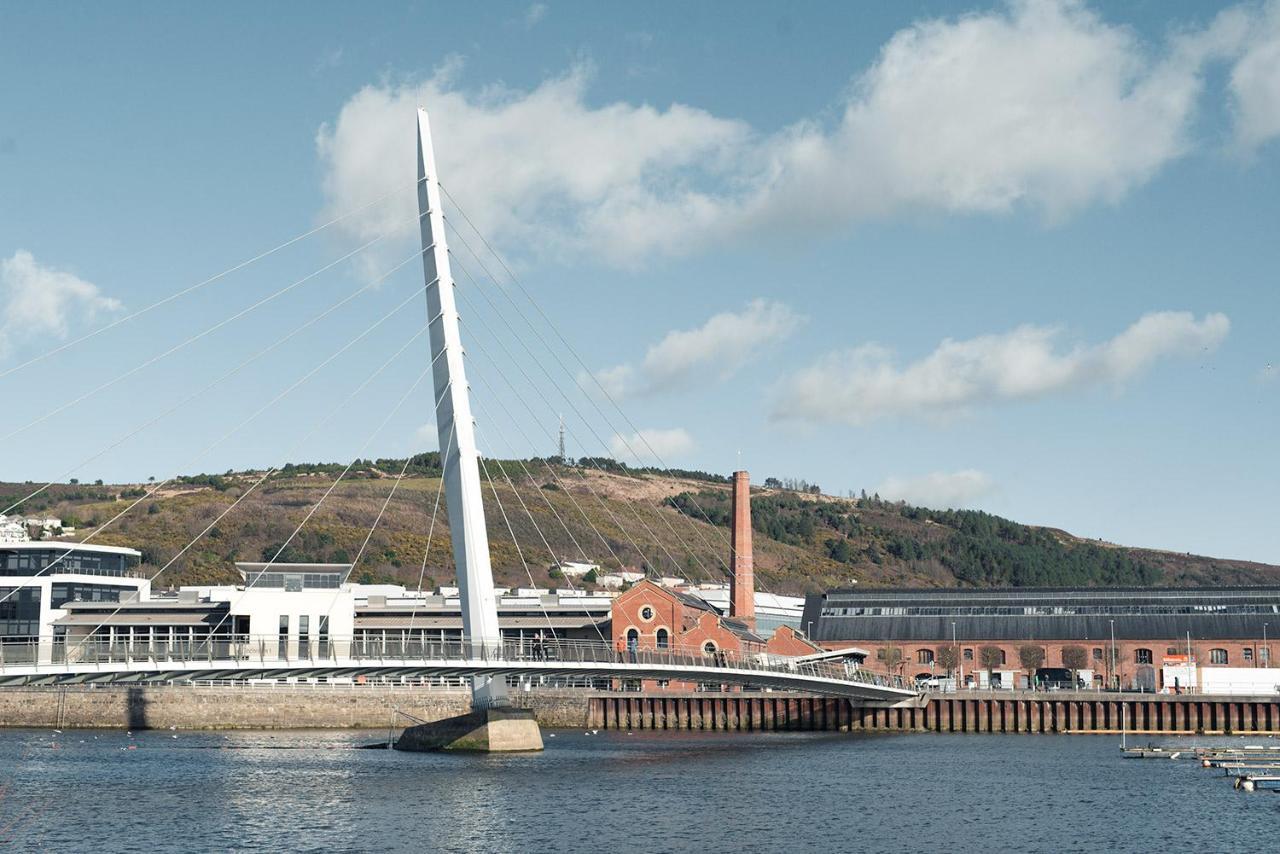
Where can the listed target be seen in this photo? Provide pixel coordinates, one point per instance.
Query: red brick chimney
(742, 584)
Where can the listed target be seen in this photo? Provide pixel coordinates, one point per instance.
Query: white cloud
(650, 446)
(41, 302)
(863, 384)
(939, 490)
(1041, 106)
(534, 14)
(718, 348)
(1255, 81)
(537, 167)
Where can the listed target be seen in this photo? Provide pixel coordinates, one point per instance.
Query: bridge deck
(260, 658)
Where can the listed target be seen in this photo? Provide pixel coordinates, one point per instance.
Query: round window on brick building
(646, 613)
(709, 647)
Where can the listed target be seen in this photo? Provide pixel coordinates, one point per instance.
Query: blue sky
(1018, 257)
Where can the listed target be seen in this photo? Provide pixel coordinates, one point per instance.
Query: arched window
(1143, 656)
(633, 638)
(1218, 656)
(663, 638)
(924, 656)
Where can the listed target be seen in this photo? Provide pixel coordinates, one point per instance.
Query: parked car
(1054, 679)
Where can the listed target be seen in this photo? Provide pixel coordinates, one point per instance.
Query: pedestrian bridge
(251, 658)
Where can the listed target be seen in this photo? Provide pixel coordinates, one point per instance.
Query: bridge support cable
(149, 493)
(532, 385)
(431, 529)
(146, 363)
(302, 440)
(209, 386)
(341, 476)
(515, 391)
(717, 554)
(502, 511)
(198, 285)
(557, 479)
(533, 521)
(377, 519)
(511, 450)
(604, 445)
(555, 476)
(564, 341)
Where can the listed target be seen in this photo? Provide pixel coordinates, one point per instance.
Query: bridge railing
(233, 651)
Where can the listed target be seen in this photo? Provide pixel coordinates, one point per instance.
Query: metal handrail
(232, 650)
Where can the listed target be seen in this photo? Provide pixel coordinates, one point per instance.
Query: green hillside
(602, 512)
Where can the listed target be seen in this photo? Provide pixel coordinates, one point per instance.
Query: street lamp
(959, 657)
(1115, 677)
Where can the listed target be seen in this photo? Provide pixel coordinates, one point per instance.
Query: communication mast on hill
(563, 458)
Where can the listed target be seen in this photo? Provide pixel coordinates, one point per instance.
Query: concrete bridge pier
(498, 730)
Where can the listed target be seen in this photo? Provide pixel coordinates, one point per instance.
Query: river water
(310, 791)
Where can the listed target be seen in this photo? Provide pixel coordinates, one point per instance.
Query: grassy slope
(625, 516)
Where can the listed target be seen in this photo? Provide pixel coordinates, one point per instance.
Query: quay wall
(233, 707)
(1012, 712)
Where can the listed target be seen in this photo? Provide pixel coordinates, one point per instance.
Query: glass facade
(19, 612)
(294, 581)
(65, 559)
(73, 591)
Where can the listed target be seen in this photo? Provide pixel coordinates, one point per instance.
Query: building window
(1143, 656)
(1173, 650)
(924, 656)
(633, 638)
(646, 613)
(1248, 653)
(663, 638)
(1218, 656)
(283, 649)
(968, 654)
(709, 647)
(1097, 653)
(304, 637)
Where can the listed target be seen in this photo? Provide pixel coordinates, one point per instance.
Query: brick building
(651, 616)
(1127, 635)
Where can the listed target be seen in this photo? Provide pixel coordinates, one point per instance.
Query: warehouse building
(1121, 637)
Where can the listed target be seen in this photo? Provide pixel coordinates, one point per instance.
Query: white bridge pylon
(455, 428)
